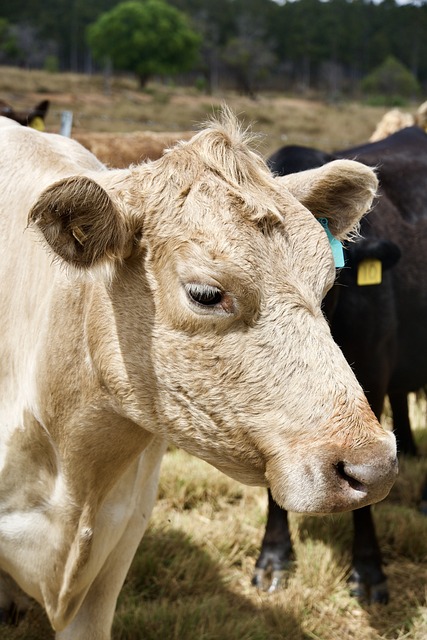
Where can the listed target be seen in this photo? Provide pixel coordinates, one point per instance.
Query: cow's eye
(204, 294)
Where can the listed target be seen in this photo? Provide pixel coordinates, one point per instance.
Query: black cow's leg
(13, 602)
(405, 439)
(11, 616)
(367, 581)
(423, 505)
(401, 425)
(276, 555)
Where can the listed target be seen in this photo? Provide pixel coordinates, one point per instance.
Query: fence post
(66, 123)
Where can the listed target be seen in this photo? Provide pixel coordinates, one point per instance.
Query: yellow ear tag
(369, 272)
(37, 123)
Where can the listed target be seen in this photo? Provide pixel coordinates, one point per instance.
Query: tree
(391, 79)
(8, 45)
(248, 55)
(147, 38)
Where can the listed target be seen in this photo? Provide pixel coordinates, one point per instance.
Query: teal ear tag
(336, 246)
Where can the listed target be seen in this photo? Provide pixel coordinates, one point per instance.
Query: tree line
(250, 44)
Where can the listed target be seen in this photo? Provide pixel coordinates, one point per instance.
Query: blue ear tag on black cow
(336, 246)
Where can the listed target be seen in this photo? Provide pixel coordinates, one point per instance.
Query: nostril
(346, 474)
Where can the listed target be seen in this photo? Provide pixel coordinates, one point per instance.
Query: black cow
(381, 328)
(34, 117)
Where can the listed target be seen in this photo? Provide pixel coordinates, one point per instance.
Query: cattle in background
(138, 309)
(34, 117)
(394, 120)
(381, 328)
(119, 150)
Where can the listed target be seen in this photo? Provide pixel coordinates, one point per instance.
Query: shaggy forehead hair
(221, 152)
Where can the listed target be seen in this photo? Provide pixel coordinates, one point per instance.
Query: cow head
(209, 330)
(34, 117)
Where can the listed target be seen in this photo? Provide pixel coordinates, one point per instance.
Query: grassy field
(121, 107)
(191, 578)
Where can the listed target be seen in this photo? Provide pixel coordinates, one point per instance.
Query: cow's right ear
(341, 191)
(81, 223)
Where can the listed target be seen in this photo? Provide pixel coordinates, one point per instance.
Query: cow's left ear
(81, 223)
(341, 191)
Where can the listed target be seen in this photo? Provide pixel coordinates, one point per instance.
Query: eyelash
(204, 295)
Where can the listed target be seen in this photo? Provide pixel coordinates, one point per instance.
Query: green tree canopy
(248, 55)
(8, 44)
(391, 79)
(148, 37)
(327, 45)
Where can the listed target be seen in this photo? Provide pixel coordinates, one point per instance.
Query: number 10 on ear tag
(336, 246)
(369, 272)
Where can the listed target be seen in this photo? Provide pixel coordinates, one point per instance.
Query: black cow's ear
(386, 251)
(37, 115)
(81, 223)
(389, 253)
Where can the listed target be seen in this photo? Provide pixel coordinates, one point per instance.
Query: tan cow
(119, 150)
(178, 300)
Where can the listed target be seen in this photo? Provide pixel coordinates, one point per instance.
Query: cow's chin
(317, 499)
(246, 475)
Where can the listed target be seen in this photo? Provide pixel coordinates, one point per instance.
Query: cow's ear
(386, 251)
(341, 191)
(80, 222)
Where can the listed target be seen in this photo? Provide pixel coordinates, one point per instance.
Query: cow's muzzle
(335, 478)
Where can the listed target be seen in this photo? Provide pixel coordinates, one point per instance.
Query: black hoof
(270, 580)
(379, 593)
(367, 593)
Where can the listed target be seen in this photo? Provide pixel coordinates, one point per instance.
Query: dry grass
(278, 119)
(191, 578)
